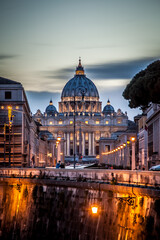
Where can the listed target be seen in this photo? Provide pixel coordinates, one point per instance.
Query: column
(133, 156)
(80, 141)
(65, 144)
(83, 143)
(93, 145)
(68, 144)
(89, 144)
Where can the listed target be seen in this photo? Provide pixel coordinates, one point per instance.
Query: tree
(144, 87)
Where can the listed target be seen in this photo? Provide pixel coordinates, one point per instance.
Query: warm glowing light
(17, 107)
(97, 156)
(86, 122)
(71, 122)
(94, 209)
(107, 122)
(119, 148)
(124, 144)
(49, 154)
(97, 122)
(2, 107)
(57, 142)
(60, 122)
(133, 139)
(128, 142)
(50, 123)
(61, 153)
(58, 138)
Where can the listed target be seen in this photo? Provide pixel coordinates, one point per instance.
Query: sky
(41, 42)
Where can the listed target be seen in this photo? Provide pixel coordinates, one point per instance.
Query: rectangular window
(60, 122)
(97, 150)
(107, 122)
(107, 148)
(86, 151)
(8, 95)
(97, 122)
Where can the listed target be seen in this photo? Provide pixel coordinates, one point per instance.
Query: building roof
(7, 81)
(79, 85)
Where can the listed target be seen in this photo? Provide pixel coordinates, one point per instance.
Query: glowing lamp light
(94, 209)
(124, 144)
(133, 139)
(58, 138)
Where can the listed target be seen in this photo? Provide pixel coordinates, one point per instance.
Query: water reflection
(29, 211)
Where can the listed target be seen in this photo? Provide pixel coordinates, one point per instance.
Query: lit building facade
(153, 129)
(15, 119)
(81, 121)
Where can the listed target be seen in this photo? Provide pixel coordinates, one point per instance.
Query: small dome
(51, 110)
(108, 109)
(78, 84)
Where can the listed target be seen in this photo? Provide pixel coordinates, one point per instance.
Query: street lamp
(133, 153)
(82, 91)
(57, 147)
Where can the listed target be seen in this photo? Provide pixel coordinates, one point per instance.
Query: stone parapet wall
(141, 178)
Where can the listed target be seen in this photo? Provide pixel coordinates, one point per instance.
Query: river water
(31, 211)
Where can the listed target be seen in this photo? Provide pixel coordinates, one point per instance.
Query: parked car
(155, 168)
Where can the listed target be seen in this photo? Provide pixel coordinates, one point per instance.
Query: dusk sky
(42, 40)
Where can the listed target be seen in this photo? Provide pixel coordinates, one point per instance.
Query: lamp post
(133, 153)
(82, 91)
(58, 146)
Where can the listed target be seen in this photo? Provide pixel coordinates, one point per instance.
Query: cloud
(115, 70)
(5, 56)
(118, 70)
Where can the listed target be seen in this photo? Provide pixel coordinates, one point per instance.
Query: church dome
(51, 110)
(108, 109)
(78, 84)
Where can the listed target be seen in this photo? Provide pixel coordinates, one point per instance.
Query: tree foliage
(144, 87)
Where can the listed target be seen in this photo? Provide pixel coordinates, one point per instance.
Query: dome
(108, 109)
(51, 110)
(79, 84)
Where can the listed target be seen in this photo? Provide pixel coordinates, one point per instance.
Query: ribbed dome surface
(76, 85)
(51, 109)
(108, 109)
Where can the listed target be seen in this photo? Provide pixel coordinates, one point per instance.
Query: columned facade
(80, 112)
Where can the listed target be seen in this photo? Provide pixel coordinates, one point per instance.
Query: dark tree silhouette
(144, 87)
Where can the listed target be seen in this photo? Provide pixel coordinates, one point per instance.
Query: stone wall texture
(40, 209)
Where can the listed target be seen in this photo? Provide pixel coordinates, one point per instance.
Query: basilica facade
(83, 129)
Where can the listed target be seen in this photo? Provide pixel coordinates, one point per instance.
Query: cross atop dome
(79, 62)
(79, 69)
